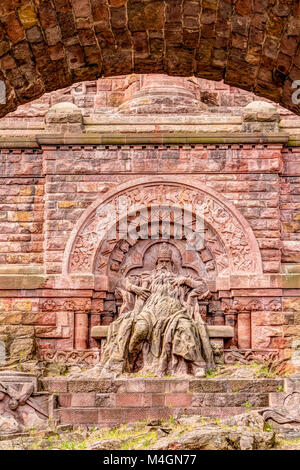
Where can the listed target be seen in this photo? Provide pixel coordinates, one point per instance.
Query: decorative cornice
(161, 138)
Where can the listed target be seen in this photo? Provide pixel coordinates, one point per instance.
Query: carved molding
(246, 304)
(71, 357)
(231, 356)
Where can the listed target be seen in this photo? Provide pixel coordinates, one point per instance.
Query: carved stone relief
(227, 234)
(21, 406)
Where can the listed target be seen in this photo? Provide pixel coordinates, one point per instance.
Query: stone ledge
(214, 331)
(162, 138)
(148, 399)
(29, 278)
(16, 281)
(13, 142)
(294, 141)
(117, 416)
(8, 269)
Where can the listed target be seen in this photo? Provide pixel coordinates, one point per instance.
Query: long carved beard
(161, 285)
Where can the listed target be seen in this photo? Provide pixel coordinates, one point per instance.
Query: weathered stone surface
(260, 116)
(106, 444)
(221, 331)
(8, 424)
(230, 399)
(21, 406)
(213, 438)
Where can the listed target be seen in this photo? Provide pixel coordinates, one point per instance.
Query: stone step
(156, 385)
(112, 402)
(117, 416)
(179, 399)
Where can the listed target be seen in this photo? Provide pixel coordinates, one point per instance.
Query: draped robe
(177, 339)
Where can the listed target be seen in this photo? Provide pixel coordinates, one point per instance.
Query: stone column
(244, 329)
(81, 330)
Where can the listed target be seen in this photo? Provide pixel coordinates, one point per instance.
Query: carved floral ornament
(239, 305)
(222, 217)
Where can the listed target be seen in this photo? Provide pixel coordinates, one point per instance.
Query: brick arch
(50, 44)
(232, 228)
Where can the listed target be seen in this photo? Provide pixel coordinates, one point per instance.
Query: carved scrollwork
(72, 357)
(232, 356)
(257, 304)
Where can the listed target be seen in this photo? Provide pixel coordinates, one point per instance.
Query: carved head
(13, 404)
(164, 257)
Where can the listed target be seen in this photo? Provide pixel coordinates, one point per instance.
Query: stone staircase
(114, 402)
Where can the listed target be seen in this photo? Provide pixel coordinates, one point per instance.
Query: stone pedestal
(109, 402)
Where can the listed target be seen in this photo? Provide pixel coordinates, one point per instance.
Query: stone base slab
(114, 402)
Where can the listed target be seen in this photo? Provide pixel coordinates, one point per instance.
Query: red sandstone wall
(73, 177)
(290, 205)
(44, 191)
(76, 176)
(105, 95)
(22, 207)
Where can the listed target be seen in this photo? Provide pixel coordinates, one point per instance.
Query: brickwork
(22, 207)
(111, 95)
(68, 191)
(74, 177)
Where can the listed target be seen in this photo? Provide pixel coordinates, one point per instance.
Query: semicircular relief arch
(229, 241)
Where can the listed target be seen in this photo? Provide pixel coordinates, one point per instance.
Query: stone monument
(160, 330)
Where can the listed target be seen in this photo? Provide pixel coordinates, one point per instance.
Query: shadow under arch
(234, 41)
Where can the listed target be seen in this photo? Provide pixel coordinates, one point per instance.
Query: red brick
(130, 399)
(178, 399)
(83, 399)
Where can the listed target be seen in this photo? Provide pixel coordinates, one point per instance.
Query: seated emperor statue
(159, 322)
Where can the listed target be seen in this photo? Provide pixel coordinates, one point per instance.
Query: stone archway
(49, 45)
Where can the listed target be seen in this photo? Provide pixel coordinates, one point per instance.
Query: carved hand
(178, 281)
(141, 292)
